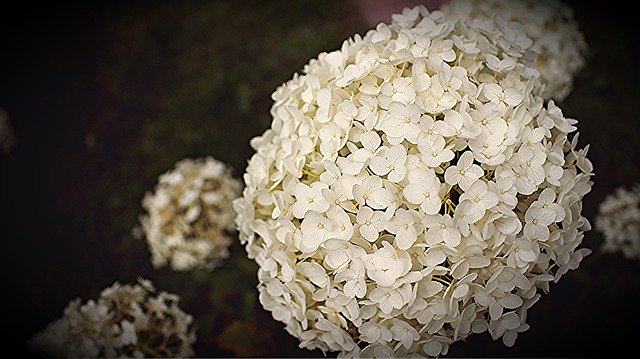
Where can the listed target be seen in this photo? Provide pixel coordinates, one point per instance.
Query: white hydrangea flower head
(408, 193)
(189, 215)
(618, 220)
(7, 133)
(125, 321)
(557, 40)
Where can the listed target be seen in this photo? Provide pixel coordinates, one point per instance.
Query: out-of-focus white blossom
(7, 134)
(189, 215)
(618, 220)
(559, 45)
(409, 194)
(125, 321)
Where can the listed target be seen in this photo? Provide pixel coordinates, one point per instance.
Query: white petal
(510, 321)
(421, 81)
(383, 278)
(369, 232)
(397, 174)
(434, 258)
(509, 225)
(512, 97)
(510, 301)
(492, 91)
(379, 166)
(413, 192)
(474, 213)
(406, 238)
(446, 155)
(370, 140)
(386, 306)
(546, 217)
(309, 243)
(315, 272)
(431, 288)
(380, 199)
(452, 175)
(474, 171)
(451, 237)
(509, 338)
(521, 281)
(460, 291)
(527, 255)
(479, 261)
(350, 289)
(495, 311)
(432, 348)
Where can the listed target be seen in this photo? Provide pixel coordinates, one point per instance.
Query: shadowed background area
(105, 96)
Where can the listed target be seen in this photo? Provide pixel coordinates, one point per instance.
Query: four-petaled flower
(464, 172)
(309, 198)
(423, 190)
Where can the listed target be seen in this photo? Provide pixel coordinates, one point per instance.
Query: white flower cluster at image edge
(618, 219)
(126, 321)
(189, 214)
(559, 44)
(413, 189)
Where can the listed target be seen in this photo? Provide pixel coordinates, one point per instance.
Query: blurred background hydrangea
(105, 96)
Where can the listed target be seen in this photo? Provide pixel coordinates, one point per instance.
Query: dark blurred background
(106, 95)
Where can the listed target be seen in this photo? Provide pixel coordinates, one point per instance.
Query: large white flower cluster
(618, 219)
(557, 40)
(189, 214)
(413, 189)
(126, 321)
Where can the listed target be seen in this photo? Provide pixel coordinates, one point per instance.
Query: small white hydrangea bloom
(618, 220)
(559, 44)
(189, 215)
(126, 321)
(409, 193)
